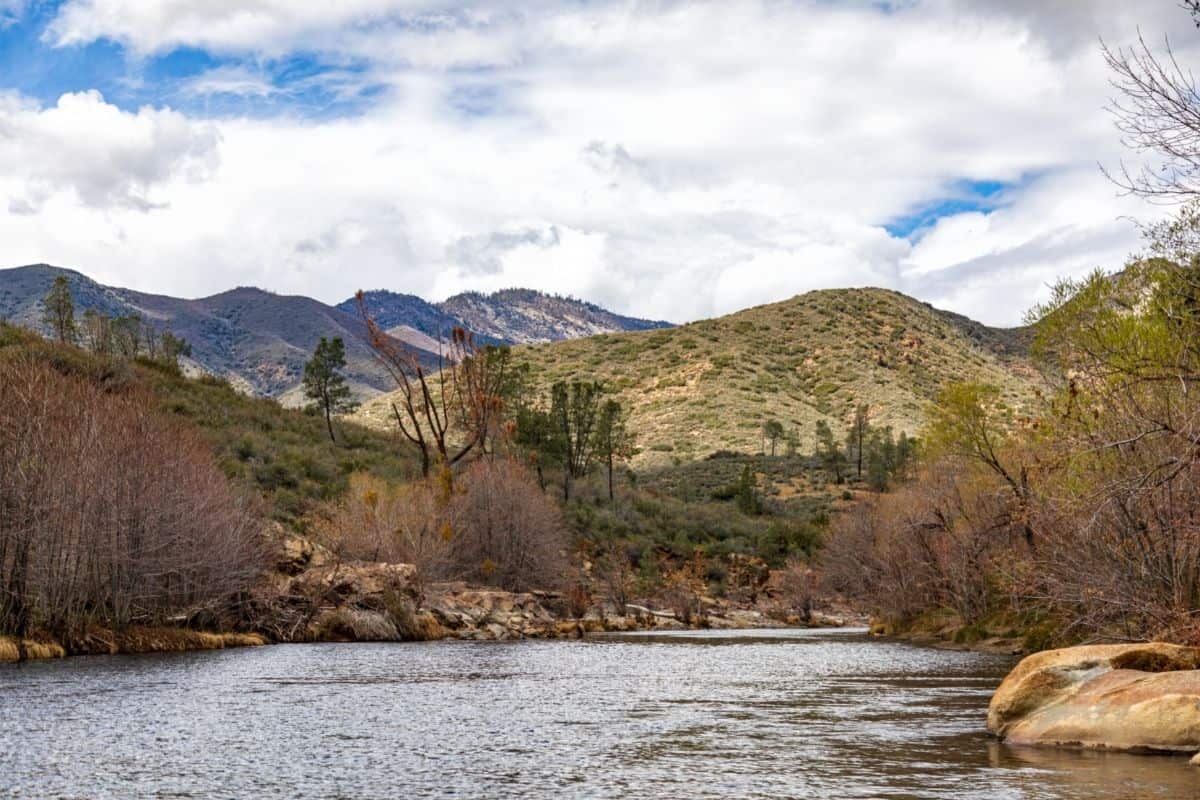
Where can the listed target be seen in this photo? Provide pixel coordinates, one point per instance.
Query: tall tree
(59, 312)
(613, 440)
(772, 432)
(748, 500)
(172, 348)
(447, 413)
(829, 453)
(856, 439)
(97, 332)
(574, 411)
(967, 420)
(324, 383)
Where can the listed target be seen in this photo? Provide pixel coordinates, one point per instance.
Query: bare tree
(111, 513)
(507, 532)
(449, 412)
(1157, 111)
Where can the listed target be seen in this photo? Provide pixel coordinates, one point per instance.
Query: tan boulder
(1121, 697)
(359, 582)
(296, 553)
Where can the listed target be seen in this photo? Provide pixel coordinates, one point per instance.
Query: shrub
(507, 533)
(111, 513)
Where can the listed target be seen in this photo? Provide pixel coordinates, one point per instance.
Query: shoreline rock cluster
(311, 596)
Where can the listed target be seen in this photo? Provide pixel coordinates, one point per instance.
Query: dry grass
(9, 652)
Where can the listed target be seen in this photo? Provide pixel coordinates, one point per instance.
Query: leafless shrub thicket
(492, 525)
(110, 514)
(939, 542)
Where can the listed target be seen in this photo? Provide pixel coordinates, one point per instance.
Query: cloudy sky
(667, 159)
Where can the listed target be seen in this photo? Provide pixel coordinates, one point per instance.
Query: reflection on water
(714, 714)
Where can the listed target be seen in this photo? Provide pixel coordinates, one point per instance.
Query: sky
(671, 160)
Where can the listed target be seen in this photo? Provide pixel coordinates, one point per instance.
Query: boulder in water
(1138, 697)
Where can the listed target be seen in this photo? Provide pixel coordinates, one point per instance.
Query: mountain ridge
(259, 340)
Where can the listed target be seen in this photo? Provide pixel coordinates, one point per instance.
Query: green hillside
(283, 455)
(709, 385)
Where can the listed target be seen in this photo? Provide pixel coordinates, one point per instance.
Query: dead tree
(447, 412)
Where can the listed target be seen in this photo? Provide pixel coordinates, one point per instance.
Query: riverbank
(467, 614)
(130, 641)
(1002, 634)
(310, 596)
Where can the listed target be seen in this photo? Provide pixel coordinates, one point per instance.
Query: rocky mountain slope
(512, 316)
(710, 385)
(523, 316)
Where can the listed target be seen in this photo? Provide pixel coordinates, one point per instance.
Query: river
(807, 714)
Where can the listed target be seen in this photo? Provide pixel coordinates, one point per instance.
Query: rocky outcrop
(1139, 697)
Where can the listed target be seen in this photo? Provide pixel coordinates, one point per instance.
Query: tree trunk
(611, 496)
(329, 424)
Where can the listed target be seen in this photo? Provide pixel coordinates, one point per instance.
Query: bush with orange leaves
(491, 525)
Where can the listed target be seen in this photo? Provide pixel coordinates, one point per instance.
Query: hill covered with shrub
(711, 385)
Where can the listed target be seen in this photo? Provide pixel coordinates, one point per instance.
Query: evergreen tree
(747, 497)
(60, 311)
(856, 439)
(613, 440)
(828, 453)
(173, 347)
(772, 432)
(324, 383)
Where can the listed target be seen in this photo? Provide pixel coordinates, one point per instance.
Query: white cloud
(230, 80)
(669, 159)
(108, 158)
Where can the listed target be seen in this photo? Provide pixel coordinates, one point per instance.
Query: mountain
(411, 319)
(511, 316)
(710, 385)
(260, 341)
(523, 316)
(256, 339)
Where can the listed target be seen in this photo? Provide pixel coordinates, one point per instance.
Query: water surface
(810, 714)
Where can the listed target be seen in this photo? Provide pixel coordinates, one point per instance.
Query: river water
(807, 714)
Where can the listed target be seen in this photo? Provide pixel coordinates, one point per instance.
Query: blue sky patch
(300, 84)
(963, 196)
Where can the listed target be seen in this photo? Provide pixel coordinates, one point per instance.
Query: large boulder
(1119, 697)
(373, 586)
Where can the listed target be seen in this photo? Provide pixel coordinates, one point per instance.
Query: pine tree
(772, 432)
(60, 311)
(613, 440)
(747, 497)
(324, 384)
(828, 453)
(856, 439)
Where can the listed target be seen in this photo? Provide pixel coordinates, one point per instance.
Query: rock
(1119, 697)
(296, 554)
(366, 585)
(568, 629)
(880, 628)
(1195, 760)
